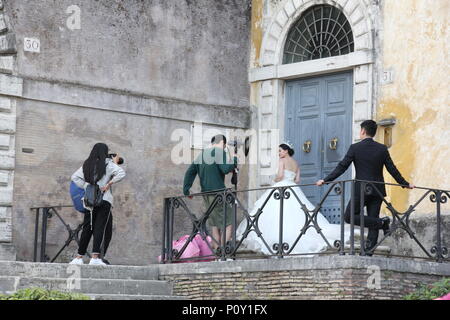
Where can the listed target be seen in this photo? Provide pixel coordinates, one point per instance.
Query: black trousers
(101, 229)
(372, 220)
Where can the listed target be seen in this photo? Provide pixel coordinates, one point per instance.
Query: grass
(430, 292)
(43, 294)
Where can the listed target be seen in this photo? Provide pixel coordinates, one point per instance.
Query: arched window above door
(322, 31)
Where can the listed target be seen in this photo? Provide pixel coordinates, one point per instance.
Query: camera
(245, 144)
(113, 155)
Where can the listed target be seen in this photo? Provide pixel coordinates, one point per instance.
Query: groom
(369, 158)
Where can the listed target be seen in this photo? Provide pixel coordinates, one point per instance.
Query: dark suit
(369, 158)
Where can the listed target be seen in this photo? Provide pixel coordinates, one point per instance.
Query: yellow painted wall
(415, 44)
(256, 32)
(416, 47)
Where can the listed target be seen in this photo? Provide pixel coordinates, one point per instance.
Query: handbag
(93, 196)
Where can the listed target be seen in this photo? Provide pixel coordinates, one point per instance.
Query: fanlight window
(321, 32)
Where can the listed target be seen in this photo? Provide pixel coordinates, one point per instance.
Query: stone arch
(274, 39)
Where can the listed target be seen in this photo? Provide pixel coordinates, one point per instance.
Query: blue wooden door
(319, 125)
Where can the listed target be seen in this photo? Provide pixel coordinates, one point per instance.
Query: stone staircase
(381, 250)
(98, 282)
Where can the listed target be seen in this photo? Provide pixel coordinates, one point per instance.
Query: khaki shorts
(216, 216)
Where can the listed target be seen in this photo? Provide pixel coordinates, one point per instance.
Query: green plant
(43, 294)
(430, 292)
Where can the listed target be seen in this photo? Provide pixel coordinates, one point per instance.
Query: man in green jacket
(211, 166)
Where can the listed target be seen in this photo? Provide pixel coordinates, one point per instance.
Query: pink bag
(204, 248)
(192, 249)
(197, 247)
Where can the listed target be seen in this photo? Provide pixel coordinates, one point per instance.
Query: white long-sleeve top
(113, 173)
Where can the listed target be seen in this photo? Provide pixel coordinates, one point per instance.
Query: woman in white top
(99, 169)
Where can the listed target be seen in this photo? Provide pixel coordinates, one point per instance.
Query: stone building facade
(398, 74)
(130, 73)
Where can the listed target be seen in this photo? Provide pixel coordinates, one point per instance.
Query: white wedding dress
(293, 221)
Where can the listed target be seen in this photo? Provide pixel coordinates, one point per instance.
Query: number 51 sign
(31, 45)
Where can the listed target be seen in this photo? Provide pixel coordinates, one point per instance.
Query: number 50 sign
(31, 45)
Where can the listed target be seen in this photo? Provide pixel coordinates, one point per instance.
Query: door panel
(319, 112)
(305, 103)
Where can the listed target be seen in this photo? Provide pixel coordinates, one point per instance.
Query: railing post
(439, 255)
(280, 243)
(342, 247)
(36, 235)
(224, 230)
(164, 232)
(234, 223)
(352, 219)
(170, 231)
(362, 250)
(44, 233)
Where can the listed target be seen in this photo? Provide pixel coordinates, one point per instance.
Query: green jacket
(211, 166)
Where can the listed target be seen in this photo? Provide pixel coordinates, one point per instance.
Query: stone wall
(424, 228)
(130, 75)
(10, 89)
(320, 277)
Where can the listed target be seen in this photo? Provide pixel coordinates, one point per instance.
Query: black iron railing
(43, 214)
(181, 208)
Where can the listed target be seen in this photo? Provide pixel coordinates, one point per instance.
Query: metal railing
(187, 208)
(43, 214)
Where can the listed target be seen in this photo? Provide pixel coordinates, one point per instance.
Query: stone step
(10, 284)
(382, 250)
(7, 252)
(133, 297)
(60, 270)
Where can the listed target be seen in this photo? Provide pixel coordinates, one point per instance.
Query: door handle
(333, 144)
(307, 146)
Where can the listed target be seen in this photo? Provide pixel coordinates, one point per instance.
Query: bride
(294, 217)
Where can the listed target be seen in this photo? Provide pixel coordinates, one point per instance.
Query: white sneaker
(76, 261)
(97, 262)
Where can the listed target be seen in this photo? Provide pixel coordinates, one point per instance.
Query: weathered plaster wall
(416, 47)
(256, 32)
(178, 49)
(134, 72)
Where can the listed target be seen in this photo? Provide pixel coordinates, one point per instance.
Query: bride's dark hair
(287, 148)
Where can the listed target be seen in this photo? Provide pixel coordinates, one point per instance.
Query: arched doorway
(318, 110)
(316, 63)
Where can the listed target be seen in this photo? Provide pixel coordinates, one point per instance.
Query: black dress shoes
(369, 246)
(386, 225)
